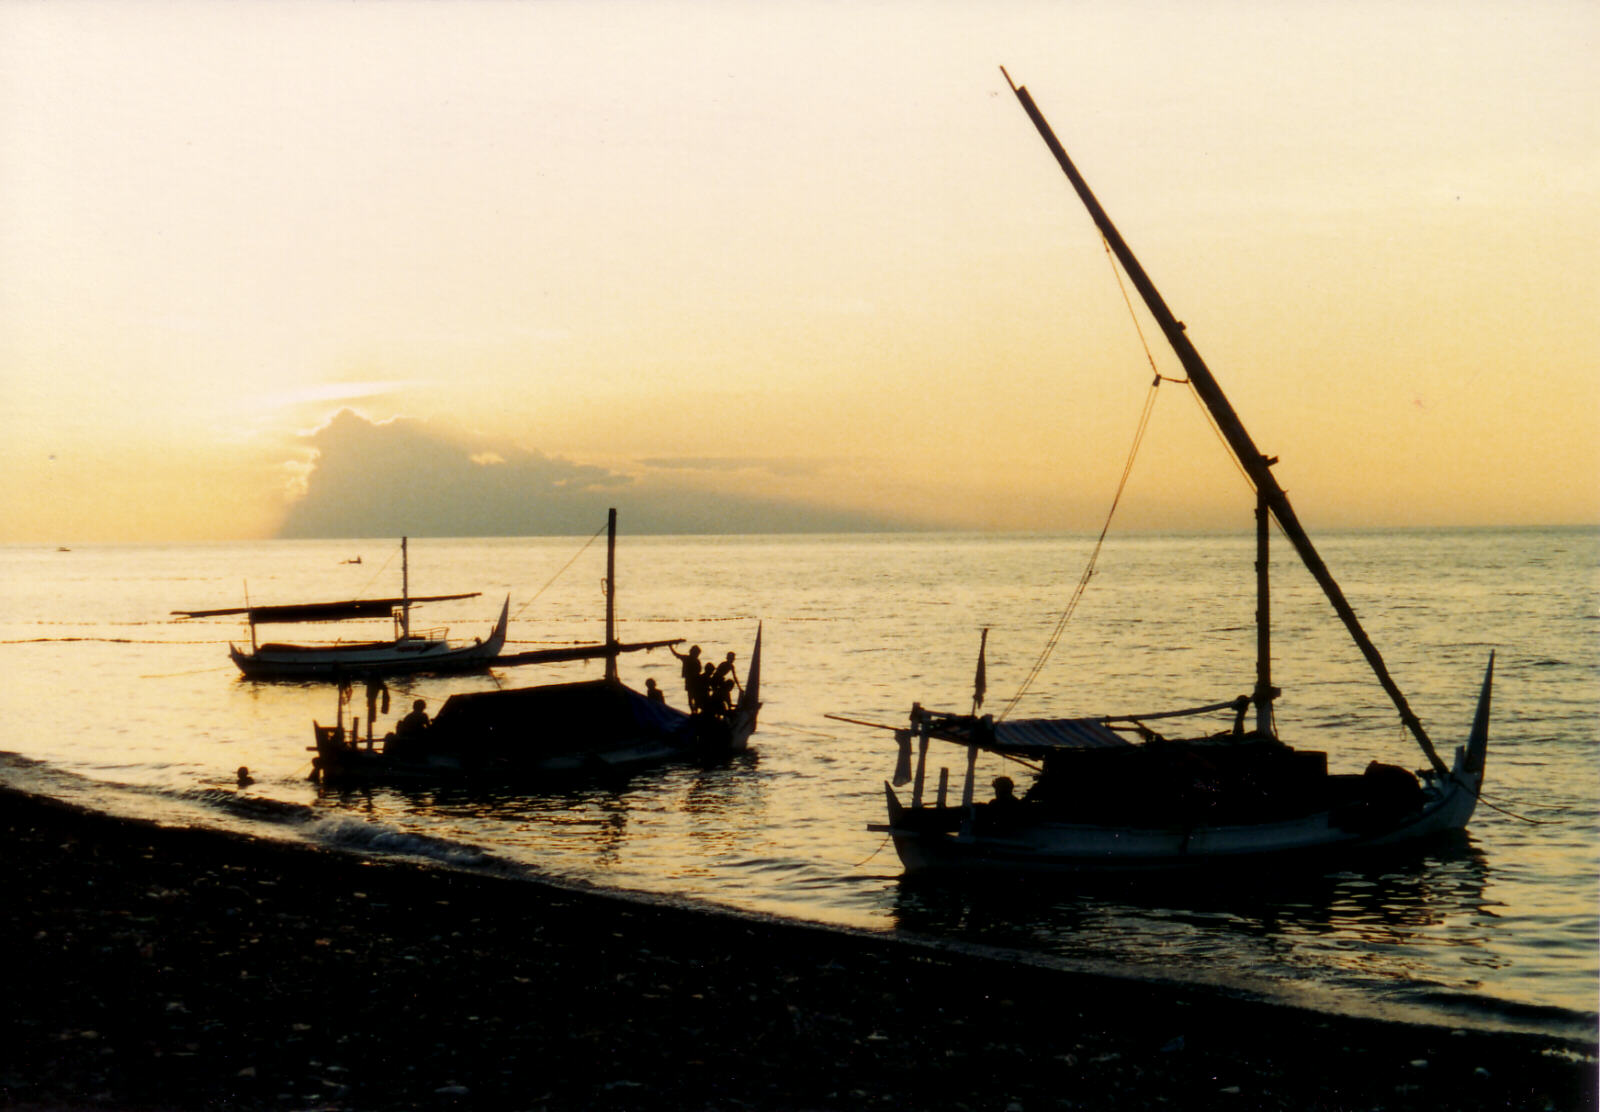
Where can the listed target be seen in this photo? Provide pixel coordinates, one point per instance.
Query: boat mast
(1265, 692)
(405, 591)
(611, 594)
(1256, 466)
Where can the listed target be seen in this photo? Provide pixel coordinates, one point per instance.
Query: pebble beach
(174, 968)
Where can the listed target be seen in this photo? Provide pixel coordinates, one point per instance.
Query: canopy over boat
(345, 610)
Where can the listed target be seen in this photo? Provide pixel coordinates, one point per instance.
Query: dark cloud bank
(399, 477)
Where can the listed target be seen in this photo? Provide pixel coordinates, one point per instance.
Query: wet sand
(156, 968)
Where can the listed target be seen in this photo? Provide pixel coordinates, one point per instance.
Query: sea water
(114, 704)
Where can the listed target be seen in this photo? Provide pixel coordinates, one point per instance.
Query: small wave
(361, 836)
(251, 806)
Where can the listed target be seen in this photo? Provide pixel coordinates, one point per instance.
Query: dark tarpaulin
(321, 611)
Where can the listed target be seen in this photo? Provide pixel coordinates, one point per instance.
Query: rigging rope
(1211, 420)
(558, 574)
(383, 567)
(1122, 483)
(1133, 314)
(1094, 555)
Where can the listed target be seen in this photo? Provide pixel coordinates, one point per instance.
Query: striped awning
(1039, 735)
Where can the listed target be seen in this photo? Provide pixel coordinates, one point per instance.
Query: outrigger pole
(1256, 465)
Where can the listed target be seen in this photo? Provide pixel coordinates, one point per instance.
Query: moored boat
(1111, 792)
(550, 731)
(408, 651)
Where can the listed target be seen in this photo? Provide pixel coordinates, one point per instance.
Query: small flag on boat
(980, 681)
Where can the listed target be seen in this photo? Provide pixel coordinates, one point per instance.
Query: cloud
(772, 466)
(404, 477)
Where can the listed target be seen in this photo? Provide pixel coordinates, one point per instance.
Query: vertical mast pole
(611, 594)
(405, 590)
(1264, 691)
(1255, 465)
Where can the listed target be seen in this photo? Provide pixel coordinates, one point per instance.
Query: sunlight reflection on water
(863, 626)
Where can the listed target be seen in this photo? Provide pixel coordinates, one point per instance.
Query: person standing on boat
(690, 662)
(652, 692)
(707, 693)
(723, 681)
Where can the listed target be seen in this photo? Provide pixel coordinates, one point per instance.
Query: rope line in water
(1512, 814)
(107, 641)
(873, 854)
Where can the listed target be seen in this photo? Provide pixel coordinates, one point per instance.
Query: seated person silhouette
(409, 732)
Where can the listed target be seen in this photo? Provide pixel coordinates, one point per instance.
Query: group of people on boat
(708, 687)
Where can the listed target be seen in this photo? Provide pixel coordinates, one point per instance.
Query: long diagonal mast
(1256, 465)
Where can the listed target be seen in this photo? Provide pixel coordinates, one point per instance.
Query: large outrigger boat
(1112, 793)
(408, 651)
(533, 735)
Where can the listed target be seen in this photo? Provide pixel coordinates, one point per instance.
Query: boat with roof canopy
(549, 732)
(1114, 791)
(408, 651)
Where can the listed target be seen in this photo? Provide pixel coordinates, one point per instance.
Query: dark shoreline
(161, 968)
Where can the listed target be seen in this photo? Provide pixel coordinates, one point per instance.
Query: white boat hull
(389, 658)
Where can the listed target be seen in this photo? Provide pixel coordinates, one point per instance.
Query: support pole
(611, 594)
(922, 755)
(405, 591)
(1264, 691)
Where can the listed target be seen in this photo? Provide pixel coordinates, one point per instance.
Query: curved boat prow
(1470, 758)
(497, 637)
(751, 696)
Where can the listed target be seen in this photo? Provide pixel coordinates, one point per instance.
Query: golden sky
(807, 252)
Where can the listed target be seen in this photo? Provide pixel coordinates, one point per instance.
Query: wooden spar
(1256, 465)
(579, 652)
(611, 594)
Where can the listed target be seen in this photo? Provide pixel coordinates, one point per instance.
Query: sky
(487, 267)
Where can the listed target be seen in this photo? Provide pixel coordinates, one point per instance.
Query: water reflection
(591, 818)
(1376, 920)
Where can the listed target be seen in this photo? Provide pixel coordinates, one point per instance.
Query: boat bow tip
(1470, 760)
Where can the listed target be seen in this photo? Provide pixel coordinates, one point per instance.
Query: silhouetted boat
(408, 651)
(1112, 793)
(545, 732)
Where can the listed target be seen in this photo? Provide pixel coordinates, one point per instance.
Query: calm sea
(111, 703)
